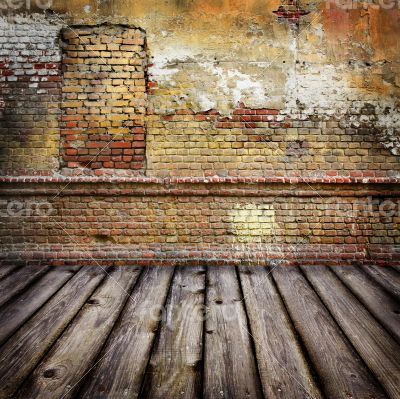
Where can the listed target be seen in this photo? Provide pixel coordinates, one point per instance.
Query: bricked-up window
(104, 97)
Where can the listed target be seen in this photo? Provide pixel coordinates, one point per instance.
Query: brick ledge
(267, 254)
(200, 180)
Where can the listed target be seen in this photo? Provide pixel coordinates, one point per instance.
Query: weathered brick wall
(155, 216)
(196, 90)
(30, 90)
(265, 142)
(104, 97)
(179, 125)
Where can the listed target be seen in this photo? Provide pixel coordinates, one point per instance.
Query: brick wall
(266, 142)
(30, 89)
(231, 155)
(153, 217)
(104, 98)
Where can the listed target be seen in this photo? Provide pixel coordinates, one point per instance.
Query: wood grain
(370, 339)
(20, 354)
(121, 366)
(342, 373)
(387, 277)
(382, 305)
(5, 270)
(283, 369)
(15, 313)
(59, 374)
(16, 282)
(175, 365)
(230, 370)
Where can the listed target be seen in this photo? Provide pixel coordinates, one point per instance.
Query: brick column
(104, 98)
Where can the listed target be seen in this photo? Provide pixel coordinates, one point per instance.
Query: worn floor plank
(16, 312)
(341, 371)
(16, 282)
(120, 369)
(175, 366)
(230, 370)
(7, 269)
(283, 369)
(331, 329)
(382, 305)
(372, 342)
(387, 277)
(20, 354)
(59, 374)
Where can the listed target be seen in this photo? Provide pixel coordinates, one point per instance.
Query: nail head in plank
(230, 369)
(121, 366)
(59, 374)
(175, 366)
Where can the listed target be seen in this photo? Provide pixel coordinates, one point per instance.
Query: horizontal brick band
(264, 255)
(197, 180)
(218, 186)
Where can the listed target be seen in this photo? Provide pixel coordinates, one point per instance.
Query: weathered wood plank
(121, 366)
(396, 268)
(386, 277)
(230, 369)
(175, 366)
(7, 269)
(382, 305)
(283, 370)
(16, 312)
(20, 354)
(15, 282)
(370, 339)
(59, 374)
(341, 371)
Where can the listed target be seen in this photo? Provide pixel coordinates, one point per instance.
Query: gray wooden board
(59, 373)
(20, 354)
(230, 369)
(341, 371)
(283, 370)
(120, 369)
(175, 366)
(373, 343)
(16, 312)
(387, 277)
(17, 281)
(382, 305)
(5, 270)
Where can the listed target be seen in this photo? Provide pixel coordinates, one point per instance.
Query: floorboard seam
(250, 332)
(40, 307)
(58, 336)
(87, 374)
(378, 383)
(364, 306)
(142, 393)
(303, 349)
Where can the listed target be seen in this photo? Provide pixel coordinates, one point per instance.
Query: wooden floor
(249, 332)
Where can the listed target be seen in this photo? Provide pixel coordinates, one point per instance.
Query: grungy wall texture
(203, 91)
(332, 87)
